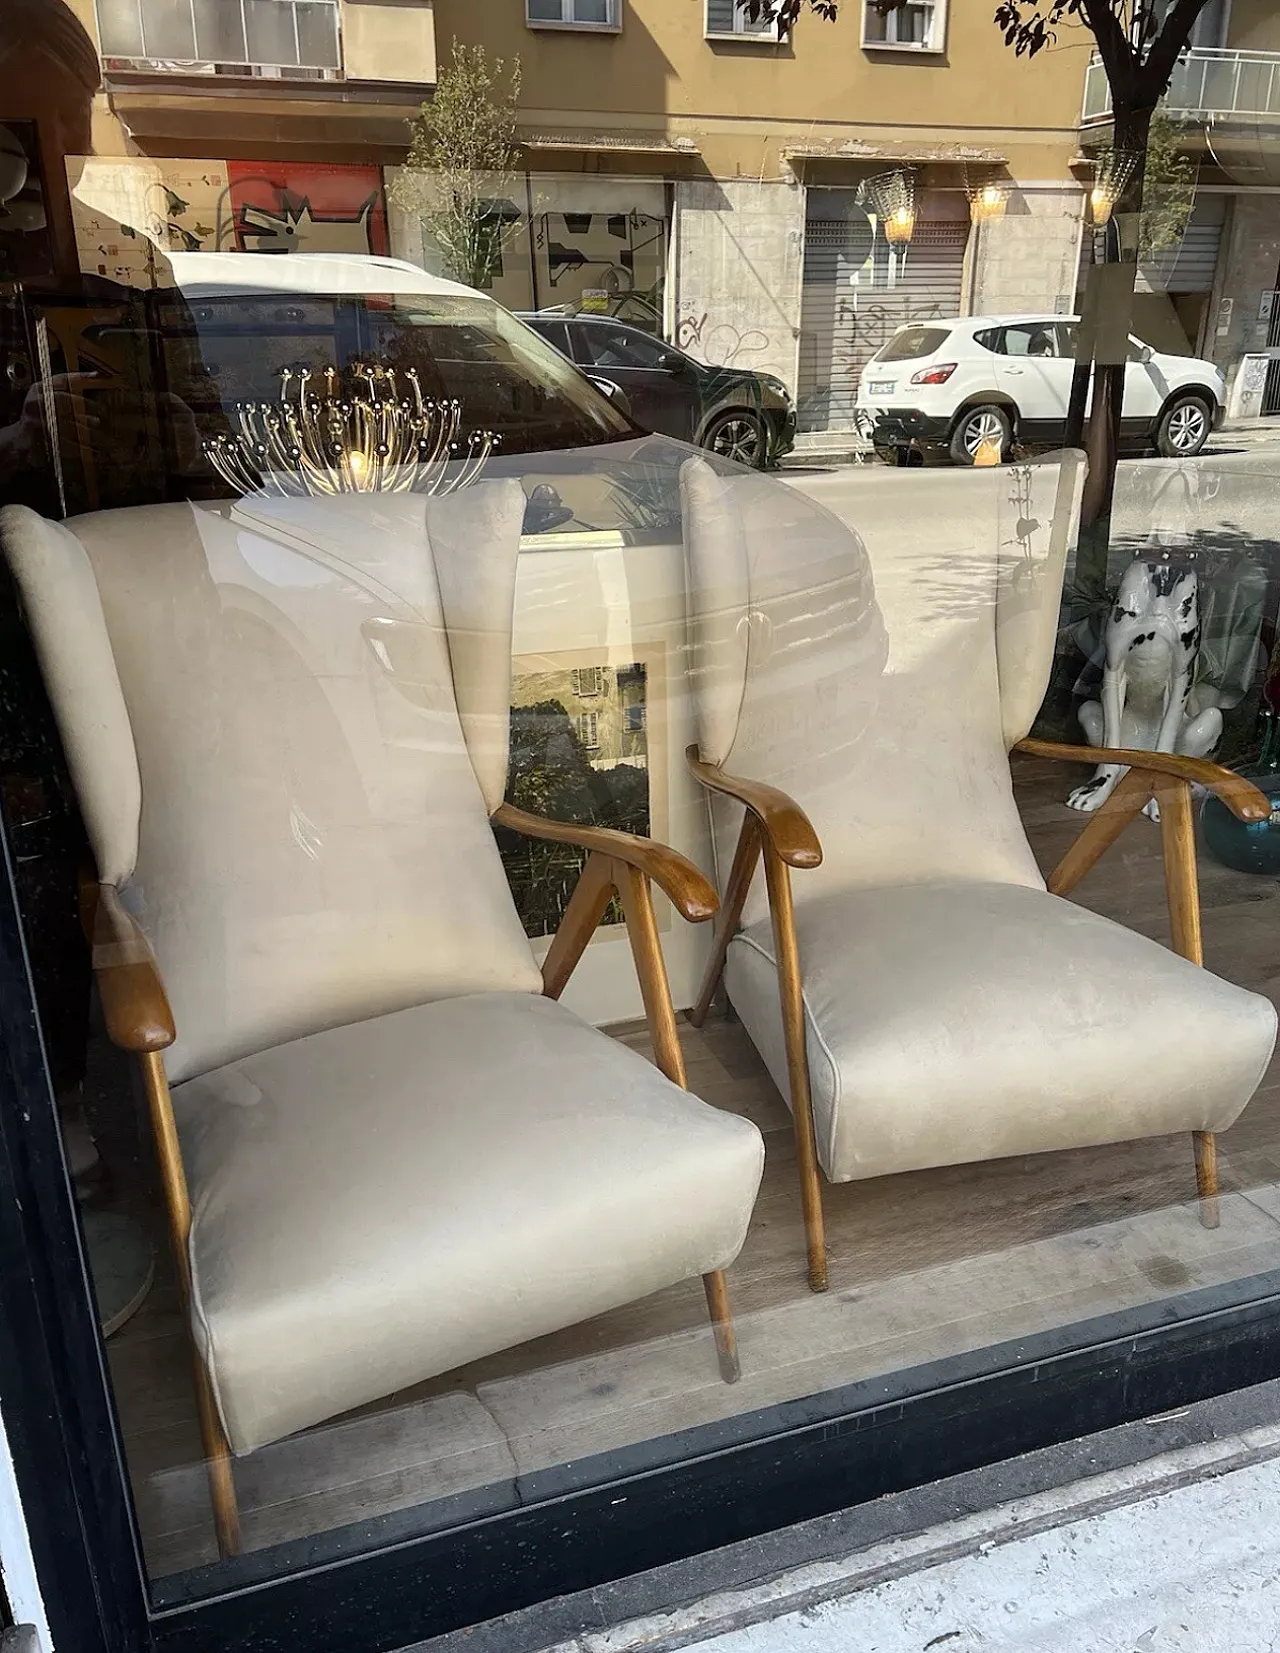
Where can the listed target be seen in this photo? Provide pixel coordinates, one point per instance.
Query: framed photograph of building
(583, 749)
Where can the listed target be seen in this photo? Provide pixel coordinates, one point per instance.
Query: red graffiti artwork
(286, 206)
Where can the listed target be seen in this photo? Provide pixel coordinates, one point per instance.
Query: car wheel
(739, 436)
(1184, 428)
(976, 426)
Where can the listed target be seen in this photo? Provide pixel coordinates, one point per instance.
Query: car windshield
(504, 377)
(913, 342)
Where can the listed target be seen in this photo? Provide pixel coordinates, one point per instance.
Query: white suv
(945, 387)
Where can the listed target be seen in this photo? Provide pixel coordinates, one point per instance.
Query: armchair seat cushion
(953, 1022)
(382, 1202)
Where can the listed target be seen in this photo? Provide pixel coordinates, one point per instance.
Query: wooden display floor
(923, 1266)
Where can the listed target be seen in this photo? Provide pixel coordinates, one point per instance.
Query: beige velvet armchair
(386, 1149)
(920, 994)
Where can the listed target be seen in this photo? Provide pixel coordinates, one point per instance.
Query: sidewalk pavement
(1178, 1556)
(1158, 1536)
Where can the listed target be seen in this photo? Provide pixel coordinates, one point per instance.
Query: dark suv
(745, 416)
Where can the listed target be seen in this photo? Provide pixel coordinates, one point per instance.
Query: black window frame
(564, 1530)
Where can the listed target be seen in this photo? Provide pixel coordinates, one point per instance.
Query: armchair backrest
(259, 710)
(881, 690)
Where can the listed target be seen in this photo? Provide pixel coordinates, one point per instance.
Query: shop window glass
(382, 702)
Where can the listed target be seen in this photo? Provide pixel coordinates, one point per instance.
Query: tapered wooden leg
(717, 1290)
(579, 922)
(222, 1486)
(1125, 804)
(1181, 881)
(646, 949)
(1205, 1144)
(735, 894)
(217, 1452)
(1182, 889)
(790, 988)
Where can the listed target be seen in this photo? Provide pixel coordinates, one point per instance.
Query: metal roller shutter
(1190, 266)
(849, 309)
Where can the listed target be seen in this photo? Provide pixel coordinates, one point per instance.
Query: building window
(588, 681)
(589, 729)
(286, 35)
(919, 26)
(730, 20)
(573, 14)
(633, 717)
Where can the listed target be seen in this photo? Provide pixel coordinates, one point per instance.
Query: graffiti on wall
(721, 344)
(283, 207)
(130, 213)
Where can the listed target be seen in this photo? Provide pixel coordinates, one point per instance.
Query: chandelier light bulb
(900, 225)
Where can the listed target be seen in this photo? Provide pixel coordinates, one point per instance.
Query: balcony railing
(264, 37)
(1208, 85)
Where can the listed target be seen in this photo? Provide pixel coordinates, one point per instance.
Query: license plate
(880, 387)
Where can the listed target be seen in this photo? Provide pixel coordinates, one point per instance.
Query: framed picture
(583, 750)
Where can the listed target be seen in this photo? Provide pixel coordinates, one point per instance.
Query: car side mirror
(614, 392)
(671, 362)
(1145, 353)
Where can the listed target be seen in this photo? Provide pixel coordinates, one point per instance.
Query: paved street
(1226, 498)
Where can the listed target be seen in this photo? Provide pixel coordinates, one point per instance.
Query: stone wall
(739, 245)
(1029, 259)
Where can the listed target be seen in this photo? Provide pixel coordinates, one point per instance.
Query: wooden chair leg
(790, 988)
(218, 1466)
(1205, 1144)
(1125, 804)
(217, 1451)
(1182, 890)
(579, 922)
(740, 875)
(646, 950)
(717, 1290)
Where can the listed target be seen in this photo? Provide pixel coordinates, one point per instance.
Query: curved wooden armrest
(787, 826)
(690, 893)
(1241, 796)
(134, 1002)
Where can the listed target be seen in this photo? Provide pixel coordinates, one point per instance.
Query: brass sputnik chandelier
(372, 439)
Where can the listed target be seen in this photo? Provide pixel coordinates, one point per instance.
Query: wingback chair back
(246, 697)
(887, 705)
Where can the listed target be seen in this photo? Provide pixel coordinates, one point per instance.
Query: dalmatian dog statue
(1151, 642)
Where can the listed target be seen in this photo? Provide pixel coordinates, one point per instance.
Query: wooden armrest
(1241, 796)
(690, 893)
(134, 1002)
(788, 827)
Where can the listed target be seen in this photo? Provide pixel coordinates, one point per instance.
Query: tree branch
(1168, 46)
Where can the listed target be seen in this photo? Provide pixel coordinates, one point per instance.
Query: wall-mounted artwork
(580, 751)
(311, 207)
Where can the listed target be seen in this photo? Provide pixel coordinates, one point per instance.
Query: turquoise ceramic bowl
(1248, 846)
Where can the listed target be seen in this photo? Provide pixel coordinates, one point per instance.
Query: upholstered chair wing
(919, 995)
(387, 1149)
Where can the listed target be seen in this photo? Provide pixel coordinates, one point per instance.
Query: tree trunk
(1102, 441)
